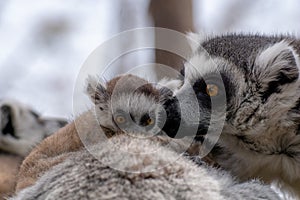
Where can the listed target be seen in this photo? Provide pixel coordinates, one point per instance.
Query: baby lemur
(126, 104)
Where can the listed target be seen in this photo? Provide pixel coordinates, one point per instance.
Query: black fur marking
(8, 128)
(244, 139)
(218, 150)
(253, 146)
(296, 109)
(298, 130)
(200, 86)
(173, 120)
(297, 106)
(144, 119)
(251, 115)
(107, 131)
(199, 138)
(229, 87)
(35, 114)
(182, 73)
(62, 123)
(274, 86)
(290, 154)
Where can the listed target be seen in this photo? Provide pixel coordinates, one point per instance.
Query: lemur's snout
(173, 117)
(175, 124)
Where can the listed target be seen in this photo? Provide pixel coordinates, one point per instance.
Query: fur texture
(60, 168)
(9, 165)
(258, 81)
(130, 98)
(123, 95)
(83, 176)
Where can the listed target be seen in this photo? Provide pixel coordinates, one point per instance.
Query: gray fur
(260, 138)
(82, 176)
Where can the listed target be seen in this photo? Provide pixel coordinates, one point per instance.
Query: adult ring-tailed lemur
(260, 74)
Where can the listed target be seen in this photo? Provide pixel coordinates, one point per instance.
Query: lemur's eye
(150, 121)
(147, 120)
(212, 90)
(120, 119)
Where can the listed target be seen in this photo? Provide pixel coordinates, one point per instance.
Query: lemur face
(128, 104)
(257, 89)
(22, 128)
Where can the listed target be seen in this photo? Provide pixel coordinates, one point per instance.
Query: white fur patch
(272, 59)
(200, 65)
(195, 39)
(172, 84)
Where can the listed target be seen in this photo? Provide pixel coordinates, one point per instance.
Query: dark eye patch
(200, 86)
(8, 127)
(274, 86)
(144, 119)
(226, 89)
(36, 115)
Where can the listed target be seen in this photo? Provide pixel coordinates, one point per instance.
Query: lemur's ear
(276, 66)
(97, 92)
(280, 62)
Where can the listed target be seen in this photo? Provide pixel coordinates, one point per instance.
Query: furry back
(114, 173)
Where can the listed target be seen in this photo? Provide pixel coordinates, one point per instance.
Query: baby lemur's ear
(97, 92)
(277, 66)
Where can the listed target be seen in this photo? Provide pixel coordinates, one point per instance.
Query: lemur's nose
(173, 117)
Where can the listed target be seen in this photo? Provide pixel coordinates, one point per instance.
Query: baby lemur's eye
(212, 90)
(147, 120)
(150, 121)
(120, 119)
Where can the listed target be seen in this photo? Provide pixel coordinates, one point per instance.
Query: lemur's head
(255, 78)
(21, 128)
(128, 104)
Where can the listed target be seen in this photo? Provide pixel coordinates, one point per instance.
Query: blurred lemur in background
(21, 129)
(258, 76)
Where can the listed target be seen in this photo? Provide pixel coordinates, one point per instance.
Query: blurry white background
(44, 43)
